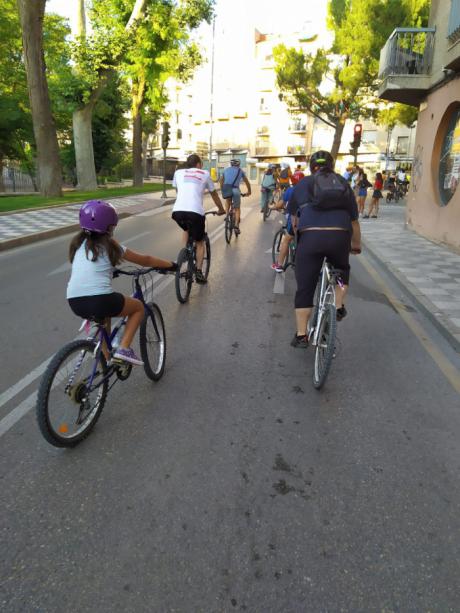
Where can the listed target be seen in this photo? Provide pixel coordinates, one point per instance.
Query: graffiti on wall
(417, 168)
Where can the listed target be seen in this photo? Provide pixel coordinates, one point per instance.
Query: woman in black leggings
(324, 230)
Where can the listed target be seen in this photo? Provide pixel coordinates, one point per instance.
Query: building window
(402, 146)
(449, 164)
(369, 136)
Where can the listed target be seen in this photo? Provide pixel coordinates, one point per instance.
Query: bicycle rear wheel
(152, 342)
(68, 405)
(228, 227)
(207, 257)
(327, 322)
(184, 276)
(277, 244)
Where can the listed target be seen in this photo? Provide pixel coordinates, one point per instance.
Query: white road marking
(161, 209)
(16, 414)
(26, 405)
(278, 287)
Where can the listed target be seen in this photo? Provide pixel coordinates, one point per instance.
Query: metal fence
(15, 180)
(408, 51)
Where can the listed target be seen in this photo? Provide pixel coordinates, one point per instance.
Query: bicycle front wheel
(277, 245)
(152, 342)
(327, 322)
(228, 228)
(72, 394)
(207, 257)
(184, 276)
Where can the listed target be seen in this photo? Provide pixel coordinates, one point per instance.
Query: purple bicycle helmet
(97, 216)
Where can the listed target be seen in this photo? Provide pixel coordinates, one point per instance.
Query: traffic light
(357, 134)
(165, 135)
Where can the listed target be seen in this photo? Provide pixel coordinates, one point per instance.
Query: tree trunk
(340, 125)
(82, 118)
(84, 152)
(2, 183)
(145, 142)
(49, 164)
(138, 174)
(138, 98)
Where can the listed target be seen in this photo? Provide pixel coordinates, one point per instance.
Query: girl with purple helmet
(94, 254)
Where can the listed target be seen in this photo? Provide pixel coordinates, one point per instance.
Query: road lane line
(448, 369)
(278, 287)
(7, 422)
(157, 211)
(15, 389)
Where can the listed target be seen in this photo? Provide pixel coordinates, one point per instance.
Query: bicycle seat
(97, 320)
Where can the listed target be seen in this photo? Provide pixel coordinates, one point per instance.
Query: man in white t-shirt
(188, 210)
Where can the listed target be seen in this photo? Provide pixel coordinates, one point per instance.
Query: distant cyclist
(284, 178)
(297, 175)
(188, 211)
(291, 226)
(231, 179)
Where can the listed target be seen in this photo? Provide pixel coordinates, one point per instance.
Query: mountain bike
(186, 265)
(322, 326)
(290, 260)
(230, 227)
(75, 385)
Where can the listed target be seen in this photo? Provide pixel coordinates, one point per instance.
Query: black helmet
(323, 159)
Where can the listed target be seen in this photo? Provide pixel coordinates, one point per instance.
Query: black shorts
(193, 223)
(312, 247)
(98, 307)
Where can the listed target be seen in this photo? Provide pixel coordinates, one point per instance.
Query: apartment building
(421, 67)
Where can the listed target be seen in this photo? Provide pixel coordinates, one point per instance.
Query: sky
(269, 15)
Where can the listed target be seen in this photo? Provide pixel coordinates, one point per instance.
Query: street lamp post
(211, 110)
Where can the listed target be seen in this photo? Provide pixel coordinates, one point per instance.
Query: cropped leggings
(312, 247)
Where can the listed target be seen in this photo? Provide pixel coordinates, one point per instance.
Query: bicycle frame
(102, 336)
(328, 281)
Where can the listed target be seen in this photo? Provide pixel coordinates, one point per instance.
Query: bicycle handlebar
(138, 272)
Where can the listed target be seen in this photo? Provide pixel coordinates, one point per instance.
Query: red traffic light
(358, 128)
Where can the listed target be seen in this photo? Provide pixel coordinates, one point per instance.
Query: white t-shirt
(191, 184)
(90, 278)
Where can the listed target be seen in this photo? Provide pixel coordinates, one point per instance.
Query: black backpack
(330, 190)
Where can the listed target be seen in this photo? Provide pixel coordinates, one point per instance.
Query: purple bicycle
(74, 387)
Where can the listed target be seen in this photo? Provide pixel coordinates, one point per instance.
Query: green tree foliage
(361, 28)
(15, 120)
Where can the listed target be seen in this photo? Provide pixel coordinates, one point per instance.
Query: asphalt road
(232, 484)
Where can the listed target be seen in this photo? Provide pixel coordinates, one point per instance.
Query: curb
(20, 241)
(441, 322)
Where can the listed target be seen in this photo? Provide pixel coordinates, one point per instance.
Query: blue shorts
(236, 198)
(362, 192)
(289, 227)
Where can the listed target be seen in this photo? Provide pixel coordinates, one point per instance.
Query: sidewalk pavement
(25, 227)
(430, 272)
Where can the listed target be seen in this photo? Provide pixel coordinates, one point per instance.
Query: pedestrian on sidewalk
(363, 185)
(376, 197)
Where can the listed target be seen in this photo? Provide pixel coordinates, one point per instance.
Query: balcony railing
(295, 150)
(263, 150)
(408, 51)
(453, 31)
(298, 126)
